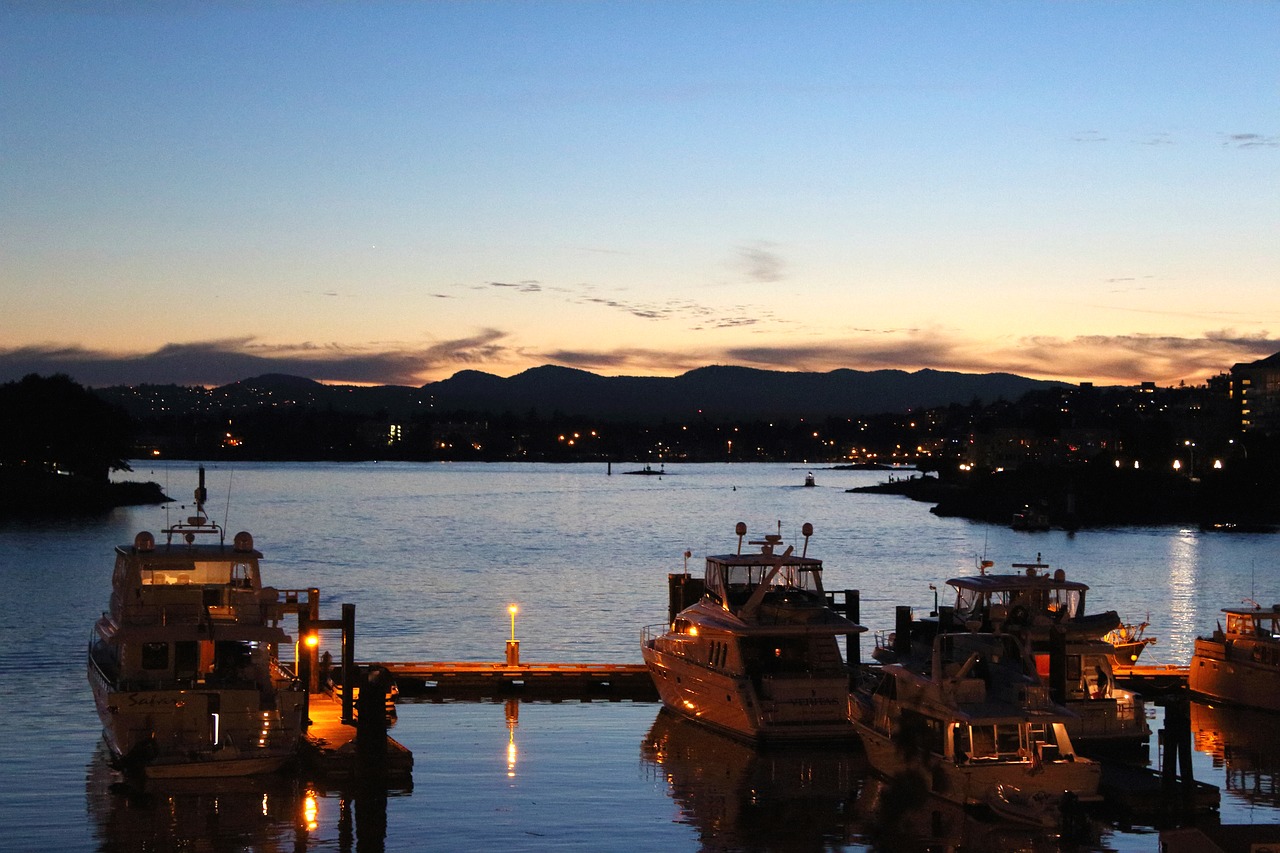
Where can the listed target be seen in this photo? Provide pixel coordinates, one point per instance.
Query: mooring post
(304, 666)
(348, 662)
(1177, 746)
(853, 642)
(371, 722)
(311, 647)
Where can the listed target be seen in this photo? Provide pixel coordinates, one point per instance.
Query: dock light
(513, 645)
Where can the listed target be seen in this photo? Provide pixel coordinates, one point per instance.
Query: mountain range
(713, 393)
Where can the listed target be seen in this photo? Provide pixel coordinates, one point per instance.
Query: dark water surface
(431, 555)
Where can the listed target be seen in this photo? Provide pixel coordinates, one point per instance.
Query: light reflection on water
(432, 555)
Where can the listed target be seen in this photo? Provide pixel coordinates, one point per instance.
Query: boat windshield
(1260, 624)
(232, 572)
(735, 581)
(974, 602)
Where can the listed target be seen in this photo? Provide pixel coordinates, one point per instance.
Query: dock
(439, 680)
(1153, 679)
(330, 747)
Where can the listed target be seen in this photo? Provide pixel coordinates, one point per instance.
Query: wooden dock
(481, 680)
(330, 747)
(1153, 679)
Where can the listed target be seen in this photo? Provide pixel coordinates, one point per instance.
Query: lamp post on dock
(513, 645)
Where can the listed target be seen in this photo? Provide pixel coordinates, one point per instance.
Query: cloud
(1250, 140)
(760, 262)
(222, 361)
(1105, 360)
(520, 286)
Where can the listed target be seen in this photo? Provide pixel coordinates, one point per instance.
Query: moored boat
(1241, 664)
(757, 655)
(184, 665)
(1046, 613)
(969, 719)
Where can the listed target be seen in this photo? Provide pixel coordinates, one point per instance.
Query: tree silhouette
(55, 425)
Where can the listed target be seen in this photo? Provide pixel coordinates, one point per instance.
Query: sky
(390, 192)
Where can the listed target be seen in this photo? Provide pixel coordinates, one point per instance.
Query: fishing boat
(756, 656)
(1128, 642)
(184, 665)
(1240, 665)
(968, 720)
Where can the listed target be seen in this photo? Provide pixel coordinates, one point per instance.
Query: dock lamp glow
(513, 645)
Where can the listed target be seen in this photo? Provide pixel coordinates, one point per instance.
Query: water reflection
(1184, 586)
(264, 813)
(741, 798)
(269, 813)
(1243, 744)
(796, 799)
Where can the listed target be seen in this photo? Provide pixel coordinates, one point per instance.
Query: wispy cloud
(1250, 140)
(760, 262)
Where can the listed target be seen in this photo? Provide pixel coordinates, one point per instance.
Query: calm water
(431, 555)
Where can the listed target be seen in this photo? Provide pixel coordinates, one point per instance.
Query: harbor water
(432, 555)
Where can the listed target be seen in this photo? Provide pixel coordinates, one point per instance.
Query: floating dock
(480, 680)
(331, 748)
(1153, 679)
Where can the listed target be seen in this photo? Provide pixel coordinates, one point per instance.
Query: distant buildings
(1254, 388)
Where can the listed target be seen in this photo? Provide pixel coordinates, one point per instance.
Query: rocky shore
(26, 492)
(1096, 498)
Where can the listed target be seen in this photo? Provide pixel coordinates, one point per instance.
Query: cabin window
(155, 655)
(1003, 740)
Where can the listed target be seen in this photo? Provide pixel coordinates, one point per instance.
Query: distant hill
(724, 392)
(714, 393)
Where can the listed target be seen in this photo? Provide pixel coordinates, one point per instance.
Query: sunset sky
(391, 192)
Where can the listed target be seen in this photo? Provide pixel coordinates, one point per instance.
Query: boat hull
(196, 732)
(1242, 672)
(780, 710)
(974, 784)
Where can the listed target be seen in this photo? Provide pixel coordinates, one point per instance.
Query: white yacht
(757, 656)
(184, 665)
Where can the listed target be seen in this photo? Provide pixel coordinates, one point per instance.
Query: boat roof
(995, 583)
(758, 559)
(1272, 612)
(186, 552)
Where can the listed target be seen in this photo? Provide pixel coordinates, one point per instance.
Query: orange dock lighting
(513, 645)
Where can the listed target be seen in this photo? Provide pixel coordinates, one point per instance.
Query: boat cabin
(740, 582)
(1257, 622)
(1028, 597)
(188, 614)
